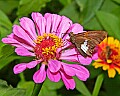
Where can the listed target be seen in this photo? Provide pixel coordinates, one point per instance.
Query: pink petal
(68, 81)
(9, 40)
(54, 65)
(64, 26)
(84, 61)
(95, 56)
(33, 64)
(73, 58)
(68, 69)
(76, 28)
(14, 42)
(41, 23)
(40, 75)
(69, 52)
(81, 72)
(18, 31)
(19, 68)
(35, 15)
(55, 22)
(28, 26)
(55, 77)
(23, 52)
(48, 18)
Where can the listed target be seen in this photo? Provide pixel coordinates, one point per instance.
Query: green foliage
(80, 86)
(91, 7)
(67, 12)
(111, 24)
(49, 88)
(92, 14)
(28, 6)
(28, 86)
(5, 25)
(6, 90)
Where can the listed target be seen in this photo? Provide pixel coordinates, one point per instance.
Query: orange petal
(97, 65)
(98, 60)
(109, 61)
(116, 42)
(117, 69)
(111, 72)
(110, 40)
(105, 67)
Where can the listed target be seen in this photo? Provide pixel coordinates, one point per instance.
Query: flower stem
(98, 84)
(36, 89)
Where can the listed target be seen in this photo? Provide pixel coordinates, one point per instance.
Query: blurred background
(91, 14)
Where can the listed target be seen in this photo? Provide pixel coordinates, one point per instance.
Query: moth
(87, 41)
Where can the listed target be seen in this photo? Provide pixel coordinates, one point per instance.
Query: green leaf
(7, 6)
(6, 55)
(6, 60)
(46, 92)
(28, 86)
(28, 6)
(22, 2)
(65, 2)
(110, 23)
(6, 50)
(4, 20)
(3, 32)
(112, 6)
(53, 85)
(117, 1)
(71, 12)
(98, 84)
(89, 11)
(5, 25)
(116, 12)
(93, 24)
(81, 4)
(6, 90)
(80, 86)
(49, 88)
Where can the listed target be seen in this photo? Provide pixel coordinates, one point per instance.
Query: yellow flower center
(110, 55)
(46, 46)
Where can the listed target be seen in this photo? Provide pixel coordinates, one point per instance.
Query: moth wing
(78, 41)
(94, 38)
(97, 36)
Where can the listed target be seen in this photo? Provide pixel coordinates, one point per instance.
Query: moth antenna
(53, 32)
(63, 34)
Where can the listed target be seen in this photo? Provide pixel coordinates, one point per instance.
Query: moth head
(72, 39)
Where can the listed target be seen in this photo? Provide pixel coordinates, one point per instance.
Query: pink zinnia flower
(44, 38)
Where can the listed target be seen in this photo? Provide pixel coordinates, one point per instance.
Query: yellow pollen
(109, 61)
(46, 46)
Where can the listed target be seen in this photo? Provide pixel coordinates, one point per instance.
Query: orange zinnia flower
(109, 56)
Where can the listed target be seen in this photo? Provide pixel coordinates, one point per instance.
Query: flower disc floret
(46, 46)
